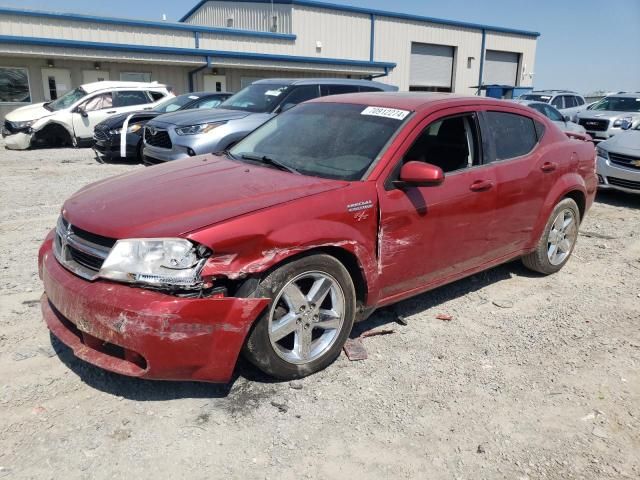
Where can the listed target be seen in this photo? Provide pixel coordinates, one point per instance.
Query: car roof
(553, 92)
(326, 81)
(624, 95)
(413, 101)
(114, 85)
(532, 102)
(204, 94)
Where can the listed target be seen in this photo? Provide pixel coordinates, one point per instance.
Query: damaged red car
(335, 208)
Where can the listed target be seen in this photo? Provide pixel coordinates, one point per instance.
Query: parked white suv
(567, 102)
(70, 119)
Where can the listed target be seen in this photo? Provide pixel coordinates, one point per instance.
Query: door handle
(548, 167)
(112, 111)
(481, 185)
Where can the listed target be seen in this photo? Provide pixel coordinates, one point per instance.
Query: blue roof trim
(145, 23)
(54, 42)
(380, 13)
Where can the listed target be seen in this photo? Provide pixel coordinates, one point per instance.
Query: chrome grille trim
(67, 240)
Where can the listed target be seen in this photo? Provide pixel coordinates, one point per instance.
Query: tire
(317, 329)
(544, 259)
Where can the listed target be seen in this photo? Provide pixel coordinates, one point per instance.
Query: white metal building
(227, 44)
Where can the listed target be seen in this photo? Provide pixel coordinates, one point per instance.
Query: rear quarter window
(513, 135)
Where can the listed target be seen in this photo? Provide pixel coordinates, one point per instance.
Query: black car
(107, 135)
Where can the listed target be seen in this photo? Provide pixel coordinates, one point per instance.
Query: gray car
(562, 121)
(609, 116)
(566, 101)
(619, 161)
(185, 134)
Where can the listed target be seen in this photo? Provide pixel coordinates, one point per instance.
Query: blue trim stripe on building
(378, 13)
(53, 42)
(145, 23)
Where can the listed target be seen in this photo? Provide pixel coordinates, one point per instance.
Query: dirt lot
(534, 377)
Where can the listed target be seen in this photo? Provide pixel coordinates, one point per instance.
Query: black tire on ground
(258, 348)
(538, 260)
(55, 136)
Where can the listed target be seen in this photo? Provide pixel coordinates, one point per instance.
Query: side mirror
(566, 118)
(420, 174)
(82, 112)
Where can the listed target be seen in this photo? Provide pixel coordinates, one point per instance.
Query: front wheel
(558, 239)
(310, 317)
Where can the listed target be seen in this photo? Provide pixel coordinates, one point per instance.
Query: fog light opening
(191, 152)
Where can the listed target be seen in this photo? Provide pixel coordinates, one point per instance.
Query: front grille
(157, 138)
(80, 251)
(11, 128)
(594, 125)
(625, 160)
(619, 182)
(100, 134)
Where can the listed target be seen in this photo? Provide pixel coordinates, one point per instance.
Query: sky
(585, 45)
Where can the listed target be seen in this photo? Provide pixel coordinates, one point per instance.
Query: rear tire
(310, 317)
(557, 241)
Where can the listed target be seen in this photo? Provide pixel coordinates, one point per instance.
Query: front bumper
(17, 141)
(143, 333)
(160, 155)
(110, 147)
(615, 177)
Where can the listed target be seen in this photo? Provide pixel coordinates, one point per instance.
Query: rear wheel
(311, 315)
(557, 241)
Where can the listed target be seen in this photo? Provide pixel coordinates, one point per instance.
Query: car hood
(195, 117)
(606, 114)
(118, 120)
(625, 143)
(179, 197)
(28, 112)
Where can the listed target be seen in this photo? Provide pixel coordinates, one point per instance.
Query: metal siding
(92, 32)
(246, 16)
(501, 68)
(343, 34)
(431, 65)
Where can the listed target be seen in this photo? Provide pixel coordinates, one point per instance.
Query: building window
(135, 77)
(14, 85)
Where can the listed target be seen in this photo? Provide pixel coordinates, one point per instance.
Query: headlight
(22, 125)
(155, 261)
(602, 153)
(197, 129)
(132, 129)
(622, 121)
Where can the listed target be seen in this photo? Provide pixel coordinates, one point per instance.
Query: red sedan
(329, 211)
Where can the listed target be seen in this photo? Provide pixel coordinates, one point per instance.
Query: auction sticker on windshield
(386, 112)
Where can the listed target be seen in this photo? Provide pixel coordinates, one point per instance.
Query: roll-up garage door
(431, 67)
(501, 68)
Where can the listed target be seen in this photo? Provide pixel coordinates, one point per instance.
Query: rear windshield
(256, 98)
(329, 140)
(66, 100)
(618, 104)
(535, 97)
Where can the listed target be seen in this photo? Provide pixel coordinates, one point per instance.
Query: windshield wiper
(228, 154)
(270, 161)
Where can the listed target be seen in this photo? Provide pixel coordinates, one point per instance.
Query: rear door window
(579, 101)
(130, 98)
(326, 90)
(156, 96)
(513, 135)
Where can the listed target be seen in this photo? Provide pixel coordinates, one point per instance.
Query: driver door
(431, 234)
(90, 113)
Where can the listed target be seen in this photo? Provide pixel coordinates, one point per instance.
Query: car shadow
(115, 161)
(154, 390)
(394, 314)
(616, 198)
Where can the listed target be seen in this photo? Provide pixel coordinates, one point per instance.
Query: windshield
(66, 100)
(329, 140)
(618, 104)
(174, 103)
(535, 97)
(256, 98)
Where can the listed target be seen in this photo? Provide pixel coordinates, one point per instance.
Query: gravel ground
(534, 377)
